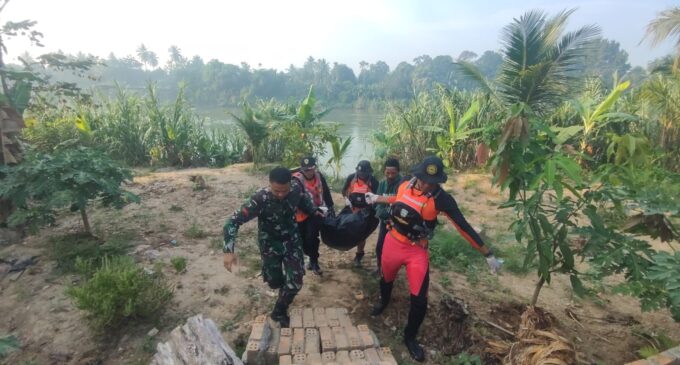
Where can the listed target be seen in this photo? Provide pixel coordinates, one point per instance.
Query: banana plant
(593, 120)
(458, 130)
(339, 148)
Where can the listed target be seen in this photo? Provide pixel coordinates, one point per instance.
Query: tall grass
(410, 131)
(139, 130)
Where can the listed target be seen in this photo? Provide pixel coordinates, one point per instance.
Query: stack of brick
(318, 336)
(668, 357)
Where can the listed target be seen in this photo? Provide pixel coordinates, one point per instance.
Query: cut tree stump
(198, 342)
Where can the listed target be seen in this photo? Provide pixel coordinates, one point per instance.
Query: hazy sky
(279, 33)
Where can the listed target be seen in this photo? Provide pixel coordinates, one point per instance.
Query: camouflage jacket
(275, 217)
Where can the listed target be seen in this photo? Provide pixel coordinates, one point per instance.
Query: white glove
(371, 198)
(347, 202)
(494, 264)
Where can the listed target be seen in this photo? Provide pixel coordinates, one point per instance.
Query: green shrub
(195, 231)
(45, 135)
(66, 178)
(66, 250)
(179, 263)
(120, 291)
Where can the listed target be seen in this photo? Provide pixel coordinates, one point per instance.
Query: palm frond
(665, 25)
(540, 63)
(471, 72)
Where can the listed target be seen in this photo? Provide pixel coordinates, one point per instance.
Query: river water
(360, 124)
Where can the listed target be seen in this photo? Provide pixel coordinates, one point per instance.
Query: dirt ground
(52, 331)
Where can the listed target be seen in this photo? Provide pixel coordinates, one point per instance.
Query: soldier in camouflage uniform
(278, 236)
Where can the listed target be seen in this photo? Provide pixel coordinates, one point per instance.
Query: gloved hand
(494, 264)
(371, 198)
(324, 211)
(347, 202)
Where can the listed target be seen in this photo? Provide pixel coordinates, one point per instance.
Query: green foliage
(121, 291)
(541, 62)
(665, 272)
(179, 263)
(458, 129)
(66, 178)
(230, 324)
(465, 359)
(47, 135)
(339, 149)
(656, 343)
(67, 250)
(450, 251)
(8, 344)
(254, 129)
(137, 130)
(515, 261)
(300, 129)
(195, 231)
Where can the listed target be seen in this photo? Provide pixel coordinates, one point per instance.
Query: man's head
(430, 173)
(364, 170)
(279, 182)
(391, 169)
(308, 166)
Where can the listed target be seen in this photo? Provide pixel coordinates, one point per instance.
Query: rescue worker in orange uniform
(413, 217)
(355, 189)
(316, 187)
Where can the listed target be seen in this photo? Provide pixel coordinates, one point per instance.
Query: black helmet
(430, 170)
(364, 169)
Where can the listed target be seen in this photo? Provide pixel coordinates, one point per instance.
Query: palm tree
(540, 64)
(146, 56)
(176, 59)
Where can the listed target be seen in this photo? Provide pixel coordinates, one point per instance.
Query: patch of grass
(120, 291)
(249, 192)
(217, 243)
(149, 345)
(179, 263)
(230, 324)
(470, 184)
(656, 343)
(195, 231)
(250, 266)
(465, 359)
(175, 208)
(450, 251)
(513, 256)
(8, 344)
(66, 250)
(445, 282)
(240, 344)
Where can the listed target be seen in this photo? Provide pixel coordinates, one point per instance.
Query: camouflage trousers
(283, 265)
